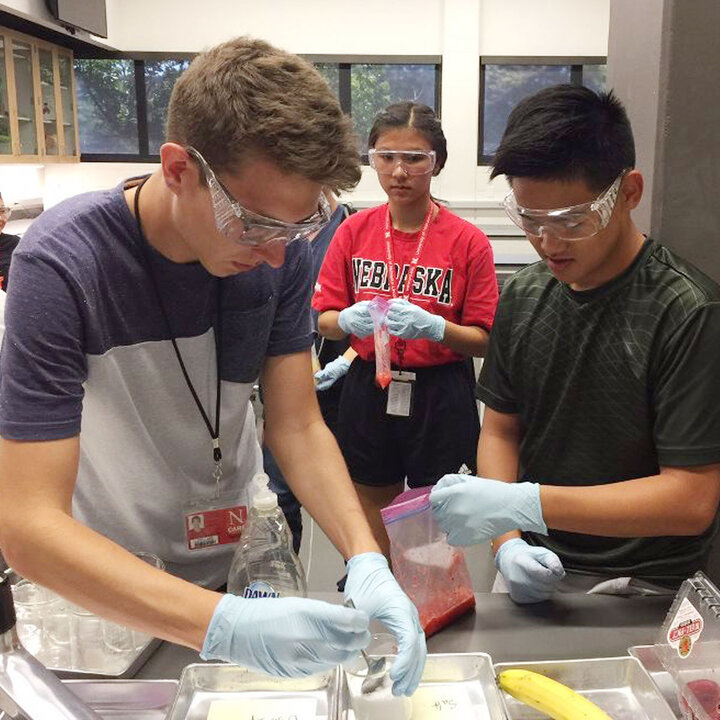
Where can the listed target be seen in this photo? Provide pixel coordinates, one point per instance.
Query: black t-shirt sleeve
(494, 386)
(686, 389)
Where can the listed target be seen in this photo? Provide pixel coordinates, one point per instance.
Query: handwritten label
(441, 701)
(264, 709)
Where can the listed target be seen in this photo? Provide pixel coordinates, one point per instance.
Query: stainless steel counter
(569, 626)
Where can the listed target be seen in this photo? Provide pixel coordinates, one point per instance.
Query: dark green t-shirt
(610, 384)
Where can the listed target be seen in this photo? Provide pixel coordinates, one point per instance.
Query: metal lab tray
(620, 686)
(127, 665)
(470, 674)
(661, 677)
(126, 699)
(201, 684)
(116, 665)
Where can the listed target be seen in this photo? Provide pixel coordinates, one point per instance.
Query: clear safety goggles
(249, 228)
(413, 162)
(569, 223)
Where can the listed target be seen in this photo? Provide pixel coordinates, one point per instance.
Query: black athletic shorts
(439, 437)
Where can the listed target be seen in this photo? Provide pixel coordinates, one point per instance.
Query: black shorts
(439, 437)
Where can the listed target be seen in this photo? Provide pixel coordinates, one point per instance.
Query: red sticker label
(208, 528)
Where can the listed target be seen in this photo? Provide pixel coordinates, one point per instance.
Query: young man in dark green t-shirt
(602, 378)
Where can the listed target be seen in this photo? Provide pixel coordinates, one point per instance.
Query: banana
(549, 696)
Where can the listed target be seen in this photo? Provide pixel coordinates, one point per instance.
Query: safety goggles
(576, 222)
(413, 162)
(249, 228)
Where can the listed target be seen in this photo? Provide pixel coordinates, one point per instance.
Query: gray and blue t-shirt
(86, 341)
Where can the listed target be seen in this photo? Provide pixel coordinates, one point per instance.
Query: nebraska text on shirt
(432, 282)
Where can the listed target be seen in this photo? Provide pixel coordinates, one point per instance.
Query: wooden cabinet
(38, 116)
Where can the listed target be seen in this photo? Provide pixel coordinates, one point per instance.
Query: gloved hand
(473, 510)
(531, 573)
(356, 320)
(410, 321)
(332, 372)
(289, 637)
(372, 587)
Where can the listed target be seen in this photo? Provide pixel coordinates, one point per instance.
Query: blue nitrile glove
(289, 637)
(473, 510)
(356, 320)
(332, 372)
(531, 573)
(410, 321)
(372, 587)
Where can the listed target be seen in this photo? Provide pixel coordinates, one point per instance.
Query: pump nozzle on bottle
(263, 498)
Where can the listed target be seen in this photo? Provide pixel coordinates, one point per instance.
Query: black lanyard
(214, 433)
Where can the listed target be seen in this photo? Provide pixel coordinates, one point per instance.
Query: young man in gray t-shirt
(147, 312)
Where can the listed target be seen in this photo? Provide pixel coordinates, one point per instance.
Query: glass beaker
(121, 639)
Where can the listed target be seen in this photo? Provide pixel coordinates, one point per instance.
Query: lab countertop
(568, 626)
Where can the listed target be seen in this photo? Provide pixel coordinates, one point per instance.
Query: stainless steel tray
(620, 686)
(459, 685)
(662, 678)
(202, 684)
(126, 666)
(114, 665)
(126, 699)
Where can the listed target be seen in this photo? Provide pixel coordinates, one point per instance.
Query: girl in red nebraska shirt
(443, 295)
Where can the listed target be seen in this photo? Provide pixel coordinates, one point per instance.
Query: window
(373, 87)
(107, 107)
(331, 73)
(122, 102)
(160, 76)
(505, 83)
(594, 77)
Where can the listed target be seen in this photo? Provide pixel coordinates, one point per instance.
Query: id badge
(400, 393)
(210, 522)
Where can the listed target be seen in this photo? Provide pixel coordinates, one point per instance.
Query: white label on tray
(442, 702)
(685, 629)
(263, 709)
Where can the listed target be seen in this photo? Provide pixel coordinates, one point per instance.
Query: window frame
(344, 63)
(575, 62)
(139, 59)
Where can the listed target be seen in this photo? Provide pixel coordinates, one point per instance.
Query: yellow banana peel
(549, 696)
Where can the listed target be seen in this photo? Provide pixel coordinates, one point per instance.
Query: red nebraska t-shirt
(455, 277)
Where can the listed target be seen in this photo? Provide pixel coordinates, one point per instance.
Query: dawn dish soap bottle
(264, 563)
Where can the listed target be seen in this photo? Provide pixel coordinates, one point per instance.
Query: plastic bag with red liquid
(378, 312)
(432, 573)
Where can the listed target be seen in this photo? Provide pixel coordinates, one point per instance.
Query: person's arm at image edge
(643, 507)
(650, 506)
(314, 467)
(43, 542)
(308, 453)
(328, 325)
(678, 501)
(468, 340)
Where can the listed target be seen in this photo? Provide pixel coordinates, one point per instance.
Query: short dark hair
(414, 115)
(567, 132)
